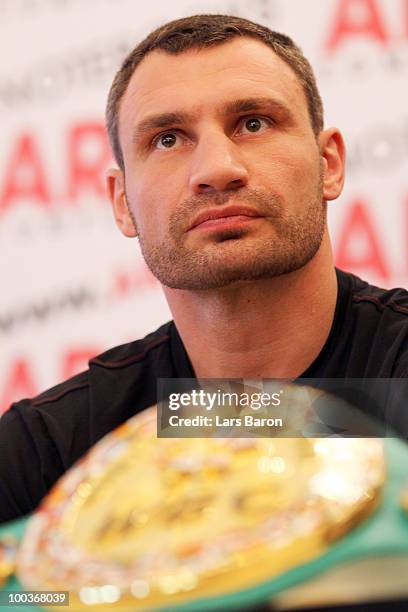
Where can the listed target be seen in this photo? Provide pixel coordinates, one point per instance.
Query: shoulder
(134, 352)
(78, 411)
(29, 413)
(392, 300)
(76, 389)
(377, 326)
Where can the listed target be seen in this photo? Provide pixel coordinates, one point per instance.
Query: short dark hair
(201, 31)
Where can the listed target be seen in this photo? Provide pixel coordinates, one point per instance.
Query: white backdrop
(71, 285)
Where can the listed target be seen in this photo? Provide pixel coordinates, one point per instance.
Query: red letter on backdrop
(18, 384)
(346, 25)
(25, 176)
(88, 156)
(359, 228)
(406, 17)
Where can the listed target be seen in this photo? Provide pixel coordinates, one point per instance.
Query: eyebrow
(254, 104)
(167, 120)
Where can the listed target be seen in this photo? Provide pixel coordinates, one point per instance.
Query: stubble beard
(239, 254)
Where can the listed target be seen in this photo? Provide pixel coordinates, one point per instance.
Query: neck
(273, 328)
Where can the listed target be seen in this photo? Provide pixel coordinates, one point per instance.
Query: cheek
(290, 176)
(149, 201)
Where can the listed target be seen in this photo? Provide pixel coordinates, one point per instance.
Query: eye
(251, 125)
(167, 140)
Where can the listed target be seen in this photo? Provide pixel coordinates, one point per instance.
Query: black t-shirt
(41, 438)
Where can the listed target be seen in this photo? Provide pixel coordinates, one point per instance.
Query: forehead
(205, 79)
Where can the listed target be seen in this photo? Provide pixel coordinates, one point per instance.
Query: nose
(217, 165)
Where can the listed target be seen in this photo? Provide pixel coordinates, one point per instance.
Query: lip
(227, 213)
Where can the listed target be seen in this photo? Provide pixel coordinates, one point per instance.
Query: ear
(115, 182)
(333, 154)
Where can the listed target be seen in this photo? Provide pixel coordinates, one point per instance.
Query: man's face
(223, 174)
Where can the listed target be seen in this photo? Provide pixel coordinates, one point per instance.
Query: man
(224, 175)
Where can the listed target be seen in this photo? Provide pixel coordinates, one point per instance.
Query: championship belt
(213, 523)
(143, 522)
